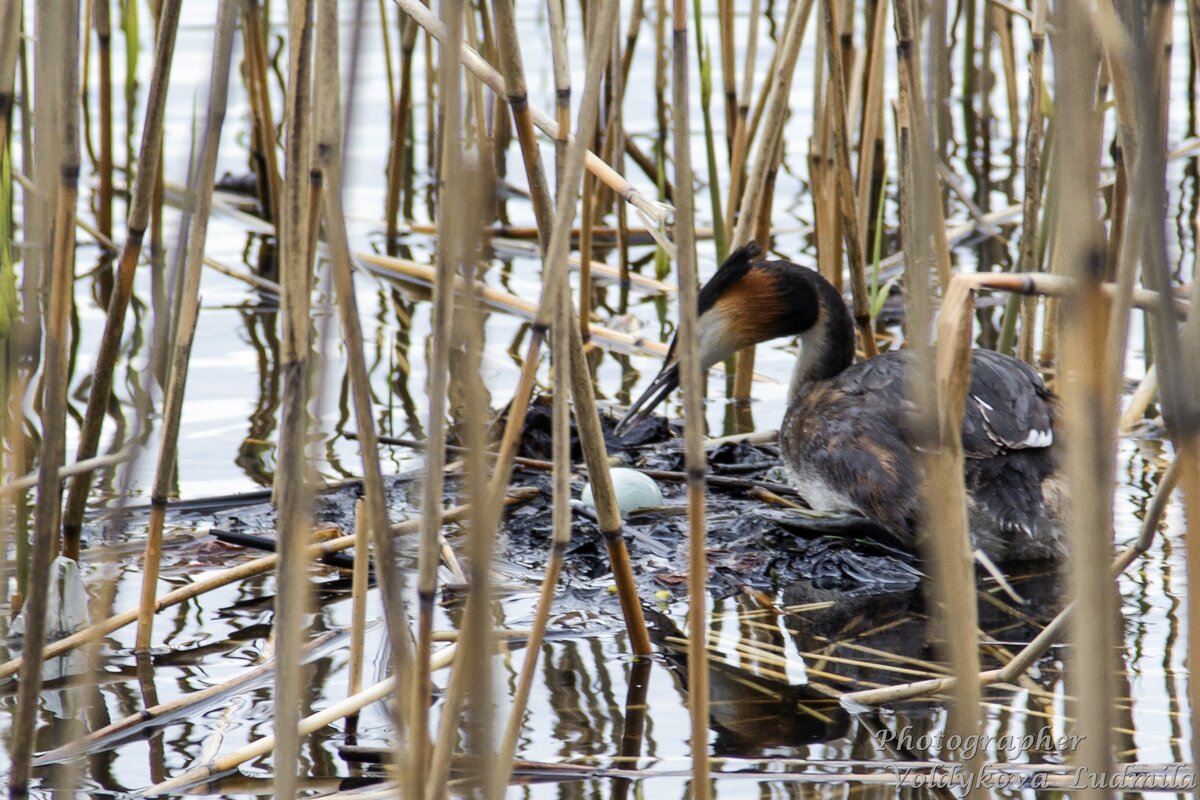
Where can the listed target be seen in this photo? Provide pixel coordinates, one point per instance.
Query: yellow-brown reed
(293, 496)
(752, 205)
(401, 118)
(264, 155)
(374, 519)
(136, 220)
(189, 309)
(57, 27)
(938, 392)
(104, 166)
(450, 175)
(691, 381)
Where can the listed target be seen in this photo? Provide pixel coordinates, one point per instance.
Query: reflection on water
(592, 704)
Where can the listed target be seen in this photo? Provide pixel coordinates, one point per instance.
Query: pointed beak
(665, 382)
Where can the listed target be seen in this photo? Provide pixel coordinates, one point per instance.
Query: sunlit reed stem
(186, 324)
(1089, 429)
(293, 495)
(57, 29)
(450, 139)
(358, 594)
(693, 401)
(137, 218)
(401, 117)
(100, 18)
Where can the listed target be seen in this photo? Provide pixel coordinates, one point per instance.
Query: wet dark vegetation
(316, 320)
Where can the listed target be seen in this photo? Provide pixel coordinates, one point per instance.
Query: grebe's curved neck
(827, 347)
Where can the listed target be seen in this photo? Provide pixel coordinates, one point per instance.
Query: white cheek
(716, 344)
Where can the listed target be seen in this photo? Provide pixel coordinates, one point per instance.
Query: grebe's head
(745, 302)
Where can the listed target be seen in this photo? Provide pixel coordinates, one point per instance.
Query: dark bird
(845, 438)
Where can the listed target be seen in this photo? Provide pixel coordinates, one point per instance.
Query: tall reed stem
(57, 28)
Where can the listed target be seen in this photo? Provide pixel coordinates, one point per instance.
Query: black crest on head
(729, 273)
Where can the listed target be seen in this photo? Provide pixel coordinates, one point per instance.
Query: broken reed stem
(189, 311)
(845, 182)
(57, 26)
(657, 212)
(562, 86)
(691, 381)
(137, 219)
(293, 496)
(420, 697)
(305, 726)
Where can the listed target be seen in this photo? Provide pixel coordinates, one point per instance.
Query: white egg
(634, 490)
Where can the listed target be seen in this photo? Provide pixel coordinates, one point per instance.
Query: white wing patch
(1038, 438)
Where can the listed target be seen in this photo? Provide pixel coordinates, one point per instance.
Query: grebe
(844, 438)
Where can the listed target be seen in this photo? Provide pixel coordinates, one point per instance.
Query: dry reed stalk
(10, 41)
(728, 68)
(1089, 422)
(871, 132)
(137, 218)
(103, 25)
(657, 212)
(264, 154)
(217, 579)
(1004, 31)
(921, 181)
(691, 382)
(163, 713)
(358, 594)
(587, 418)
(475, 668)
(518, 101)
(845, 182)
(314, 722)
(401, 117)
(937, 387)
(561, 537)
(450, 177)
(293, 496)
(100, 462)
(739, 145)
(562, 85)
(188, 313)
(56, 26)
(752, 201)
(1033, 173)
(373, 522)
(1176, 366)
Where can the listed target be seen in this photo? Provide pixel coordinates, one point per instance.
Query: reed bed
(876, 183)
